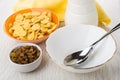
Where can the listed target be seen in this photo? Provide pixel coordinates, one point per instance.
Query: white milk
(81, 12)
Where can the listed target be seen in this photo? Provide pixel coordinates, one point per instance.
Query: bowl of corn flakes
(31, 25)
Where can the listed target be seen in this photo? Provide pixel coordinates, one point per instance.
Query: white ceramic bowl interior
(73, 38)
(26, 67)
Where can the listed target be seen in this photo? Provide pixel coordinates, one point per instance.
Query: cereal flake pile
(32, 25)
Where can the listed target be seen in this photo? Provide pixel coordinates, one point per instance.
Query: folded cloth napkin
(59, 7)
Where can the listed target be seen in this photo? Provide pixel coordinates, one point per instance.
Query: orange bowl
(11, 19)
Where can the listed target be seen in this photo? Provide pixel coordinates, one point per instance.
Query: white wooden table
(48, 70)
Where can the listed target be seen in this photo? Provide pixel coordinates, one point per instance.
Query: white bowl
(73, 38)
(26, 67)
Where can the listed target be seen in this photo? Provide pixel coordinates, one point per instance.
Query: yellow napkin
(102, 16)
(59, 7)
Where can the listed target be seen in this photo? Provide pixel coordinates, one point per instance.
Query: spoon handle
(112, 30)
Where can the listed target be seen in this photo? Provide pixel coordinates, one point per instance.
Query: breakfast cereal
(32, 25)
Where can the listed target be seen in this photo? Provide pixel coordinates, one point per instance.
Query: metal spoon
(82, 55)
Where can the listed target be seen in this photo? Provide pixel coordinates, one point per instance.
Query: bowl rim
(66, 67)
(30, 10)
(26, 44)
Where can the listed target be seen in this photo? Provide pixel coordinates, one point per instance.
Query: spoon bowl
(78, 57)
